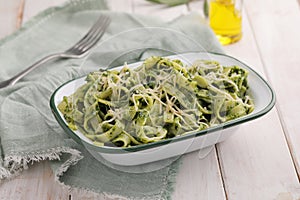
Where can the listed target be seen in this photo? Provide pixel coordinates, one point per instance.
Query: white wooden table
(262, 160)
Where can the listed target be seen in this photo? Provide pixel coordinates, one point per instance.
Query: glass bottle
(225, 18)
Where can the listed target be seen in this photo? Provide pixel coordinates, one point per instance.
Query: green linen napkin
(28, 131)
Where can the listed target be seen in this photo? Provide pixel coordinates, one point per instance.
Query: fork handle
(23, 73)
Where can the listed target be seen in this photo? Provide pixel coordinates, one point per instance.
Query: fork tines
(94, 34)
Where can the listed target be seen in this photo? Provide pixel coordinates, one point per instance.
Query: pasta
(160, 99)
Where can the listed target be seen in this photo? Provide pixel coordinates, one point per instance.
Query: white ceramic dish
(262, 93)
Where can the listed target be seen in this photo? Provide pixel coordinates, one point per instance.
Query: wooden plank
(255, 162)
(279, 44)
(34, 183)
(9, 13)
(199, 177)
(254, 159)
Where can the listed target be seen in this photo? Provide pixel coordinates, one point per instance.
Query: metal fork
(80, 49)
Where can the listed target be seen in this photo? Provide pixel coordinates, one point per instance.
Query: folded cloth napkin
(28, 131)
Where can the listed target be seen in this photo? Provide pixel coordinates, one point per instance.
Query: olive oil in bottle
(226, 20)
